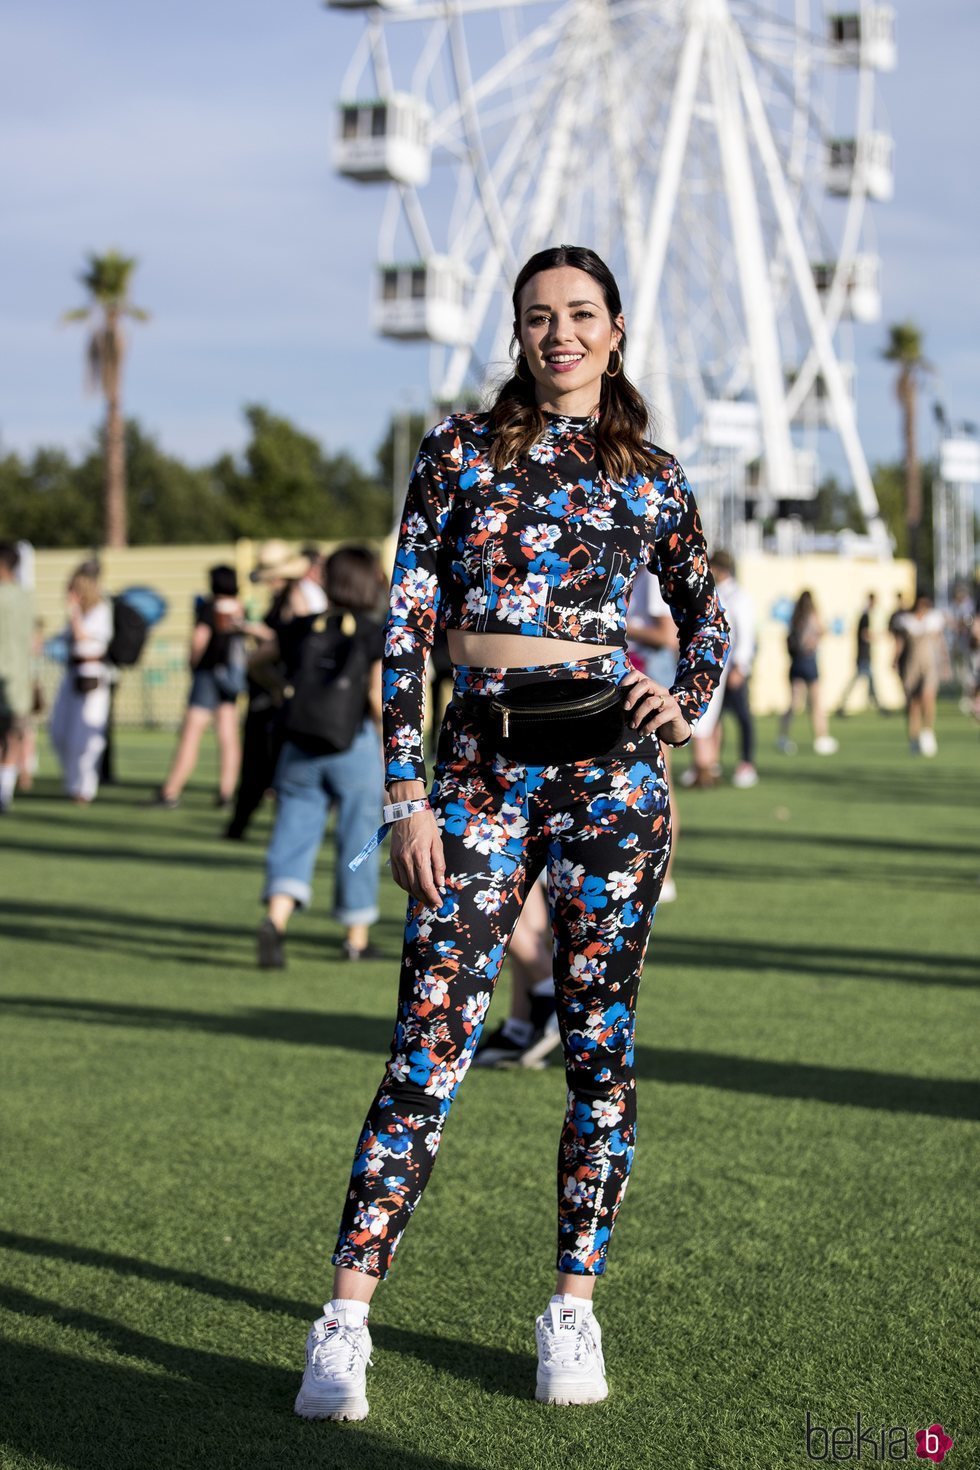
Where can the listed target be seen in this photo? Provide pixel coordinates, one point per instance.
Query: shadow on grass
(846, 1086)
(93, 927)
(160, 939)
(200, 1408)
(80, 1414)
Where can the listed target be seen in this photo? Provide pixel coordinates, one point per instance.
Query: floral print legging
(602, 830)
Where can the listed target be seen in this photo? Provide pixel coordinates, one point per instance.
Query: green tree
(891, 490)
(396, 455)
(107, 280)
(285, 485)
(905, 350)
(43, 501)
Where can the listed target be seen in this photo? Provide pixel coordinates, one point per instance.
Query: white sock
(519, 1032)
(544, 987)
(8, 781)
(355, 1312)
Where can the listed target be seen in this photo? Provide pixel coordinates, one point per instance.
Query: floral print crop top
(549, 546)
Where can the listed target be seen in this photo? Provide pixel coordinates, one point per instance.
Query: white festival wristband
(396, 811)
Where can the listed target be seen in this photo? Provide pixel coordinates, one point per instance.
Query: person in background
(217, 661)
(652, 632)
(805, 633)
(530, 1030)
(732, 695)
(863, 670)
(294, 581)
(16, 688)
(921, 662)
(81, 709)
(308, 780)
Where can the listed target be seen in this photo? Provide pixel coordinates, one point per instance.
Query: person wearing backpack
(331, 757)
(217, 661)
(81, 709)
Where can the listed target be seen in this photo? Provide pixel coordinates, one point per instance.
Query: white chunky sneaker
(338, 1352)
(570, 1365)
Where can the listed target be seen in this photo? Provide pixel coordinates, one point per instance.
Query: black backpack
(329, 684)
(129, 630)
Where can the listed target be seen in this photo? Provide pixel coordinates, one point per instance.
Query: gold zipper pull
(506, 722)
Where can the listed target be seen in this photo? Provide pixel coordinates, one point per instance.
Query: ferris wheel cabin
(867, 161)
(423, 301)
(863, 285)
(863, 38)
(384, 141)
(369, 4)
(814, 411)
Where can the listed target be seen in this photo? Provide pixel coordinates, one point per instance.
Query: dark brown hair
(353, 578)
(517, 422)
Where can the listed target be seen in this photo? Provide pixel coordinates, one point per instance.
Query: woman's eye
(585, 313)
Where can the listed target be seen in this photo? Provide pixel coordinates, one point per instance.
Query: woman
(805, 632)
(217, 662)
(81, 709)
(524, 528)
(296, 591)
(920, 663)
(310, 778)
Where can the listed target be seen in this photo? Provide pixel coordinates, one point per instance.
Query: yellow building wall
(840, 586)
(154, 693)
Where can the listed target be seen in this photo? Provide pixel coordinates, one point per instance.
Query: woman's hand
(650, 708)
(417, 862)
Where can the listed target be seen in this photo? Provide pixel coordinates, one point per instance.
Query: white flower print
(561, 822)
(621, 885)
(480, 834)
(543, 452)
(476, 1008)
(578, 1191)
(566, 876)
(540, 538)
(434, 990)
(399, 640)
(475, 602)
(490, 519)
(488, 899)
(432, 1141)
(605, 1114)
(373, 1219)
(587, 967)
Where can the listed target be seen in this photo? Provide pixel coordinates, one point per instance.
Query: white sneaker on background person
(668, 893)
(338, 1351)
(928, 744)
(570, 1364)
(826, 745)
(745, 776)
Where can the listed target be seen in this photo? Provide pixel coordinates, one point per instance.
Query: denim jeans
(306, 787)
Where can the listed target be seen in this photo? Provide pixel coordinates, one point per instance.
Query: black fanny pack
(552, 721)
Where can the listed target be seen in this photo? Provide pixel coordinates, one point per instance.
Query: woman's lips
(563, 367)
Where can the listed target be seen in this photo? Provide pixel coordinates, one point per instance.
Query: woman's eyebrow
(540, 306)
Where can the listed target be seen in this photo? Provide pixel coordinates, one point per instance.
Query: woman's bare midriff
(517, 650)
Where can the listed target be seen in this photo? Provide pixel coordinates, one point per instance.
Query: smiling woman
(524, 530)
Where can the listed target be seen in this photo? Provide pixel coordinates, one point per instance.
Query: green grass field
(800, 1230)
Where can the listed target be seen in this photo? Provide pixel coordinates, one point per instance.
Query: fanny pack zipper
(557, 711)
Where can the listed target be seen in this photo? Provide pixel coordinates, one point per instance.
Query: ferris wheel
(721, 155)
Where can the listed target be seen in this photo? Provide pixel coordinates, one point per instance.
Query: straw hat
(276, 561)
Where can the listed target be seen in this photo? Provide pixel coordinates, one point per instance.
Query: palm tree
(106, 278)
(905, 349)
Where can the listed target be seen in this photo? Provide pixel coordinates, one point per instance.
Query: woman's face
(566, 333)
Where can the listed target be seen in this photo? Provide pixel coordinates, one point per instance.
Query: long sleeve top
(550, 547)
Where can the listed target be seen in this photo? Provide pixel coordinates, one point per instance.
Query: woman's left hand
(652, 708)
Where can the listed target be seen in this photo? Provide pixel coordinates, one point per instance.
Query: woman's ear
(619, 327)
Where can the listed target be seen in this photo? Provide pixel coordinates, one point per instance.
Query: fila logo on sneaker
(566, 1317)
(331, 1326)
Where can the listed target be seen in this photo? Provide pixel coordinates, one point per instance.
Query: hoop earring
(619, 364)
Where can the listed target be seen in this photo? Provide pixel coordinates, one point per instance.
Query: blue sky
(196, 137)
